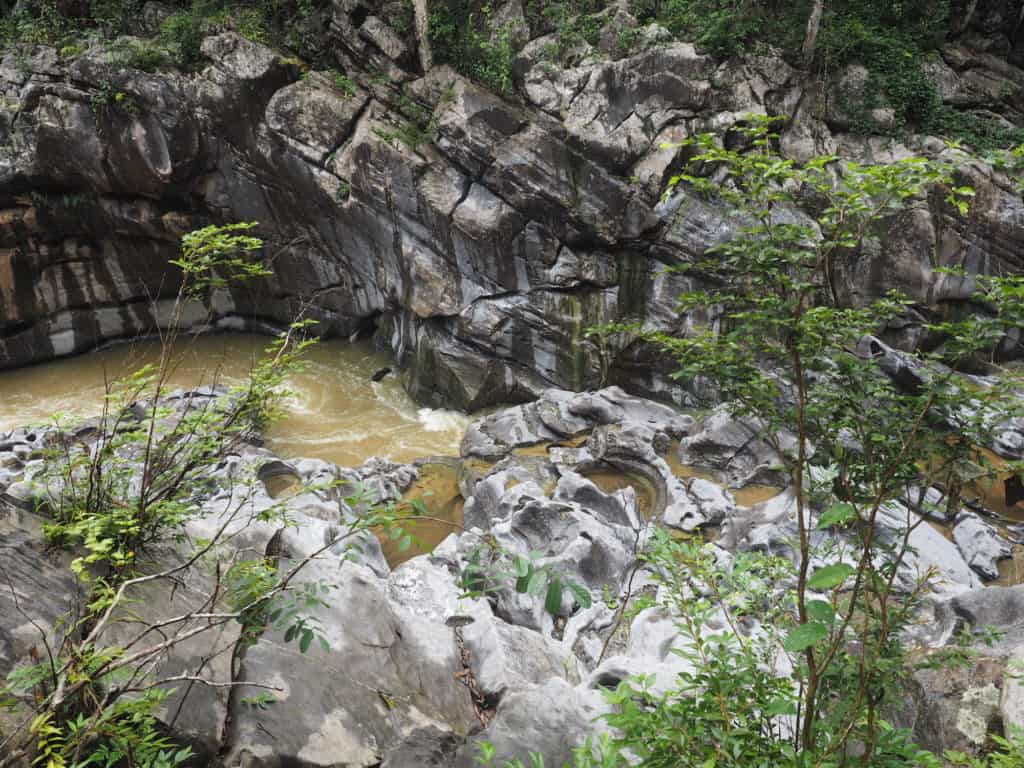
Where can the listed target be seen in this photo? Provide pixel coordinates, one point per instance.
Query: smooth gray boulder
(929, 551)
(505, 658)
(653, 639)
(999, 607)
(387, 672)
(1011, 702)
(428, 587)
(539, 718)
(195, 711)
(618, 508)
(37, 594)
(558, 415)
(486, 498)
(980, 544)
(428, 747)
(737, 448)
(596, 553)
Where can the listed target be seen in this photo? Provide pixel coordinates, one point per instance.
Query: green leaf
(821, 611)
(830, 576)
(522, 567)
(405, 543)
(780, 707)
(804, 636)
(838, 514)
(553, 600)
(306, 641)
(581, 594)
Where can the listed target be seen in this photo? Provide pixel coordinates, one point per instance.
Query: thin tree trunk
(423, 34)
(813, 27)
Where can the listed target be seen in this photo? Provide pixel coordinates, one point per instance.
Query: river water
(336, 412)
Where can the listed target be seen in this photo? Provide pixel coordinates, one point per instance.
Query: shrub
(70, 51)
(251, 24)
(182, 33)
(106, 96)
(576, 24)
(468, 42)
(892, 39)
(143, 56)
(404, 21)
(1008, 753)
(113, 17)
(490, 569)
(35, 23)
(726, 712)
(723, 27)
(275, 22)
(343, 83)
(419, 126)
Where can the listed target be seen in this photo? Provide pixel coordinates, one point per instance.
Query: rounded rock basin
(437, 488)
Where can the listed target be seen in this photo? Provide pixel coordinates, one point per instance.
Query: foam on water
(442, 420)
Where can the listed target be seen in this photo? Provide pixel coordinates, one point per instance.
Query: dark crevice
(359, 16)
(353, 126)
(483, 708)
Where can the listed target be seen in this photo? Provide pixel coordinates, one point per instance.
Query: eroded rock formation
(480, 236)
(414, 671)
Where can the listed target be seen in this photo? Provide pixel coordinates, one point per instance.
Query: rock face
(479, 236)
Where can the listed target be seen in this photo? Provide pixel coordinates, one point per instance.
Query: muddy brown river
(336, 412)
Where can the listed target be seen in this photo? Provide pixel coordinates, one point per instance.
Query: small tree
(856, 444)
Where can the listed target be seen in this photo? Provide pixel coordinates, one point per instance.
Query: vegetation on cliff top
(894, 40)
(172, 37)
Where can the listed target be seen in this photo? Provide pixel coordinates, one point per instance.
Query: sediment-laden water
(336, 412)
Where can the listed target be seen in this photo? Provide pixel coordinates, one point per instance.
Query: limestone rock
(980, 544)
(537, 718)
(388, 672)
(505, 658)
(1011, 703)
(998, 607)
